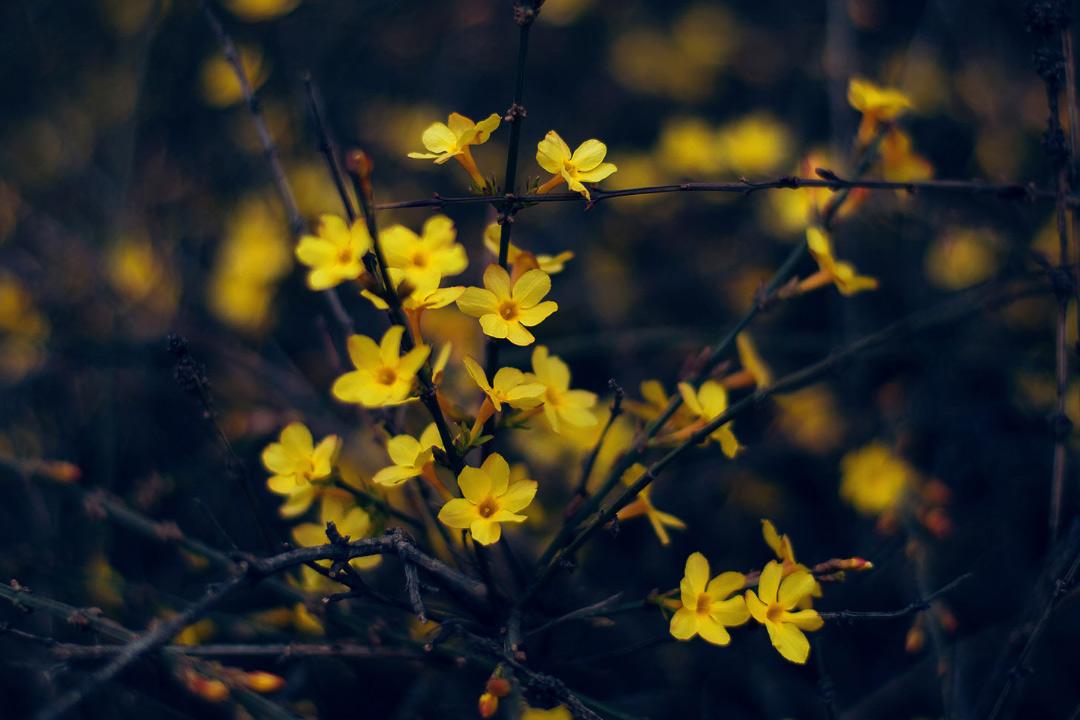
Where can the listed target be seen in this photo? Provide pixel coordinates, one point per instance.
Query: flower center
(508, 310)
(386, 375)
(420, 259)
(487, 508)
(703, 603)
(569, 167)
(774, 613)
(344, 256)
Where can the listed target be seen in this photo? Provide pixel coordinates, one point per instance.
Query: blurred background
(135, 201)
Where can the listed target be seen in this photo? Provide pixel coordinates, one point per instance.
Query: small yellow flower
(773, 606)
(754, 373)
(453, 140)
(335, 253)
(708, 402)
(410, 456)
(874, 478)
(296, 461)
(419, 259)
(428, 296)
(642, 505)
(383, 376)
(877, 104)
(707, 608)
(259, 10)
(505, 309)
(785, 553)
(559, 712)
(838, 272)
(654, 400)
(220, 88)
(551, 264)
(351, 520)
(490, 499)
(562, 406)
(585, 165)
(510, 386)
(899, 163)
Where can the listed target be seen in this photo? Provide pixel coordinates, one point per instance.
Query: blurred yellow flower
(899, 162)
(708, 402)
(409, 455)
(642, 505)
(585, 165)
(559, 712)
(838, 272)
(773, 606)
(422, 260)
(551, 264)
(219, 84)
(334, 253)
(809, 417)
(687, 147)
(753, 145)
(23, 330)
(707, 606)
(259, 10)
(383, 376)
(489, 499)
(962, 257)
(453, 140)
(562, 406)
(351, 520)
(877, 104)
(873, 478)
(754, 372)
(506, 308)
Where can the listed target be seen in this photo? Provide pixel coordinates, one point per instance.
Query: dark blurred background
(135, 201)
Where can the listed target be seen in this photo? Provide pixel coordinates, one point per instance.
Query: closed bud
(263, 682)
(488, 705)
(498, 686)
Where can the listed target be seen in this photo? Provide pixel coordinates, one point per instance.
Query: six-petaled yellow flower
(642, 505)
(562, 406)
(453, 140)
(335, 253)
(296, 462)
(421, 259)
(489, 500)
(708, 402)
(877, 104)
(505, 307)
(383, 376)
(551, 264)
(411, 456)
(774, 607)
(708, 608)
(840, 273)
(585, 165)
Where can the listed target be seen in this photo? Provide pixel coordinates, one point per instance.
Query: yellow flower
(708, 402)
(559, 712)
(220, 88)
(505, 309)
(490, 499)
(773, 605)
(428, 296)
(899, 163)
(410, 456)
(419, 259)
(23, 330)
(383, 376)
(335, 253)
(585, 165)
(838, 272)
(510, 386)
(351, 520)
(453, 140)
(809, 417)
(296, 461)
(785, 553)
(562, 406)
(258, 10)
(754, 370)
(962, 257)
(707, 608)
(873, 478)
(877, 104)
(642, 505)
(654, 400)
(754, 144)
(551, 264)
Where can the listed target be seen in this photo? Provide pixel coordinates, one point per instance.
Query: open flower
(510, 386)
(773, 606)
(562, 406)
(410, 456)
(707, 608)
(453, 140)
(785, 553)
(505, 309)
(642, 505)
(874, 478)
(838, 272)
(383, 376)
(419, 259)
(551, 264)
(585, 165)
(877, 104)
(351, 520)
(490, 499)
(708, 402)
(335, 253)
(296, 461)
